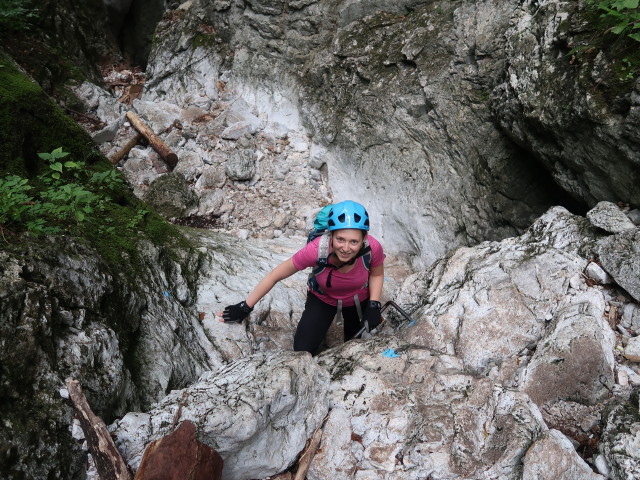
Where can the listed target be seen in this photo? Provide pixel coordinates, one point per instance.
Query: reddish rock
(180, 456)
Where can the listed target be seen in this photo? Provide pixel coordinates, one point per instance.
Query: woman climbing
(348, 274)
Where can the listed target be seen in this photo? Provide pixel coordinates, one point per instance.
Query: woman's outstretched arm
(242, 310)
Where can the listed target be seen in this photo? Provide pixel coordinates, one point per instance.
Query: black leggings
(316, 320)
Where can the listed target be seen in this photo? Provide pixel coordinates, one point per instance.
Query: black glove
(237, 312)
(372, 316)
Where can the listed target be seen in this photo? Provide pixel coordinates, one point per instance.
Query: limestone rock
(634, 216)
(554, 458)
(257, 413)
(212, 177)
(477, 289)
(334, 459)
(241, 165)
(631, 317)
(171, 196)
(322, 78)
(632, 350)
(575, 156)
(415, 415)
(620, 442)
(596, 273)
(64, 313)
(238, 129)
(190, 166)
(620, 257)
(574, 361)
(157, 115)
(607, 216)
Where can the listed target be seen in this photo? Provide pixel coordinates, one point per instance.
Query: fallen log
(119, 155)
(170, 158)
(109, 462)
(305, 459)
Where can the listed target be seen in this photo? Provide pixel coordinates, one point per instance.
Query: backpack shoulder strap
(323, 249)
(322, 262)
(365, 252)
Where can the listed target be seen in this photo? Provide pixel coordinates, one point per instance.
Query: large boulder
(257, 413)
(620, 257)
(507, 290)
(414, 414)
(574, 360)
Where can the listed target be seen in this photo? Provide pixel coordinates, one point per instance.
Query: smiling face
(347, 243)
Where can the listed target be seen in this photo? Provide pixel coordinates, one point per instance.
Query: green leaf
(45, 156)
(56, 166)
(58, 153)
(618, 29)
(635, 36)
(630, 4)
(70, 164)
(56, 176)
(79, 216)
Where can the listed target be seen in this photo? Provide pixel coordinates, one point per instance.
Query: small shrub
(16, 14)
(622, 16)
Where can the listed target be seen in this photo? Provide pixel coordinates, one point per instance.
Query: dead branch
(109, 462)
(120, 154)
(170, 158)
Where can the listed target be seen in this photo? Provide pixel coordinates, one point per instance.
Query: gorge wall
(449, 120)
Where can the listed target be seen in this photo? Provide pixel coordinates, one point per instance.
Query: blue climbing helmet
(348, 214)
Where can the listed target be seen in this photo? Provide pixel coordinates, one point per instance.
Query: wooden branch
(119, 155)
(109, 462)
(305, 459)
(95, 120)
(170, 158)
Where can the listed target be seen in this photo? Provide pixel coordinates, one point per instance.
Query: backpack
(320, 228)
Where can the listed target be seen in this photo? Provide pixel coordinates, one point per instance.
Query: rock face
(620, 257)
(425, 112)
(406, 98)
(359, 86)
(580, 137)
(65, 314)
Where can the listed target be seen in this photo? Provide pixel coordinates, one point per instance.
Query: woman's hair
(363, 232)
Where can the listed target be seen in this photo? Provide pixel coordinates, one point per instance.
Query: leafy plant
(15, 14)
(57, 166)
(14, 199)
(622, 15)
(65, 197)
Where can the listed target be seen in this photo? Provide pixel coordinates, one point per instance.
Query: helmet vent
(357, 217)
(342, 218)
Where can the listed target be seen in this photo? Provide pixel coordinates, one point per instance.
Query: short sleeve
(377, 253)
(307, 256)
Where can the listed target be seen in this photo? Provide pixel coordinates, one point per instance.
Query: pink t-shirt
(343, 285)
